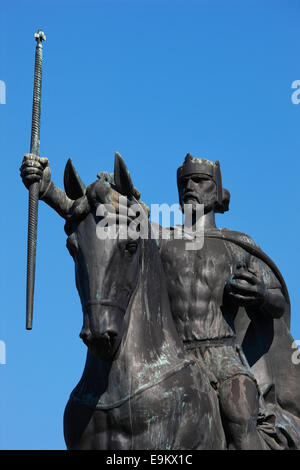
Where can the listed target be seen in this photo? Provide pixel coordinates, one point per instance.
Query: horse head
(106, 268)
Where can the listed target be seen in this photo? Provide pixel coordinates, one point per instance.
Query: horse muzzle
(103, 328)
(102, 346)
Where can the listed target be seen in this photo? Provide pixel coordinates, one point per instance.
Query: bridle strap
(107, 302)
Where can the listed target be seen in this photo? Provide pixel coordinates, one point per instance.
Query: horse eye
(131, 247)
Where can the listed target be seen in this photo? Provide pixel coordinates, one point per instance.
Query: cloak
(269, 349)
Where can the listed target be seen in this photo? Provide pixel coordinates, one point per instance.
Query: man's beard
(195, 200)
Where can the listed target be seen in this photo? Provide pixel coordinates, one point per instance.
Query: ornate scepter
(34, 188)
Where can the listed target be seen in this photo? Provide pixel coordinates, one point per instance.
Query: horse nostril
(85, 334)
(111, 334)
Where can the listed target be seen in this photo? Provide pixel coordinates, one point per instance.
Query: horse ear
(122, 178)
(74, 186)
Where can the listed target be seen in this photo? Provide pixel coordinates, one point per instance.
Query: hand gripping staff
(34, 188)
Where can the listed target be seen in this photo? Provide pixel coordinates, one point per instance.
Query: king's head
(200, 182)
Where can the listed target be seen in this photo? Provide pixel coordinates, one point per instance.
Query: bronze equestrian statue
(228, 302)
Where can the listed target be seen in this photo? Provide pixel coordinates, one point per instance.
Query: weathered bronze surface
(187, 349)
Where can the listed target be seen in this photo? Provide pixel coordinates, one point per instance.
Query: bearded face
(198, 189)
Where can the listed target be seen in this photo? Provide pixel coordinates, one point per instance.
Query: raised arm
(34, 169)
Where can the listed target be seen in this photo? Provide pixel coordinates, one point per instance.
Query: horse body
(139, 389)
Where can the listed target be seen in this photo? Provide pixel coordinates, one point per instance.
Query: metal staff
(34, 188)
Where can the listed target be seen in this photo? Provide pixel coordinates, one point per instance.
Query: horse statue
(139, 388)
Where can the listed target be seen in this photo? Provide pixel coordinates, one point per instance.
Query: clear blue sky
(152, 79)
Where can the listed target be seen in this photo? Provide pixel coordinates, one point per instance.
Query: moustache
(191, 195)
